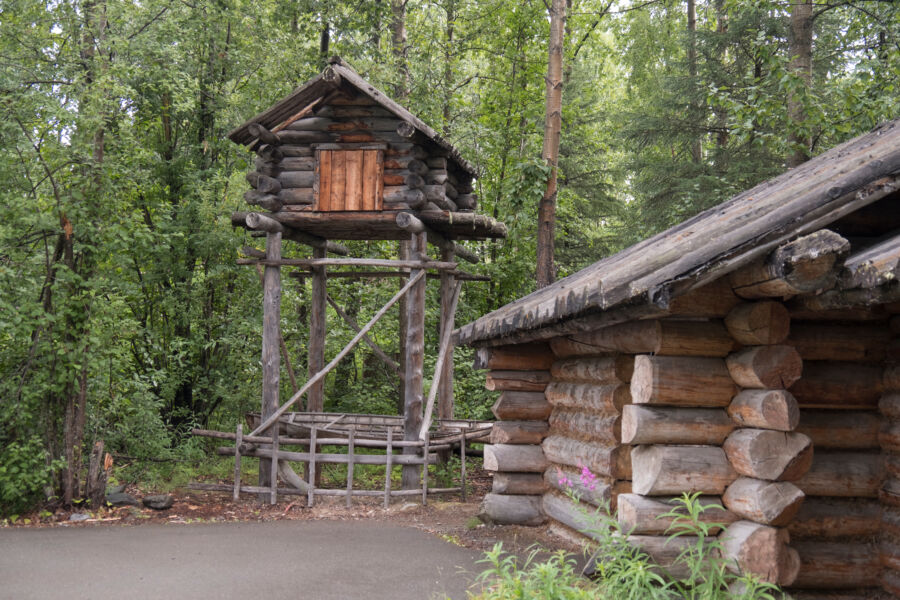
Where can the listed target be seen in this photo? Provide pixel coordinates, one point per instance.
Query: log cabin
(748, 354)
(336, 160)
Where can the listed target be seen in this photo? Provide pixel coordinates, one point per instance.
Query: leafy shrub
(623, 571)
(24, 473)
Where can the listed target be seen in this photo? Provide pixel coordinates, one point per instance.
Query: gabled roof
(713, 243)
(339, 73)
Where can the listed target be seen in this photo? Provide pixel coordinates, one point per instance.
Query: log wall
(889, 441)
(521, 375)
(414, 176)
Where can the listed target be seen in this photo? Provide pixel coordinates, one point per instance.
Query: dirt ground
(444, 516)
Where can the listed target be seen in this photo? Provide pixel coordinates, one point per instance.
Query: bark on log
(672, 470)
(605, 370)
(511, 510)
(761, 550)
(712, 300)
(829, 565)
(806, 265)
(765, 409)
(889, 436)
(759, 323)
(679, 381)
(272, 153)
(265, 184)
(519, 484)
(641, 515)
(605, 461)
(854, 343)
(838, 385)
(891, 377)
(840, 429)
(843, 474)
(587, 427)
(562, 509)
(95, 484)
(263, 135)
(890, 582)
(598, 399)
(265, 201)
(766, 367)
(770, 455)
(664, 338)
(513, 458)
(766, 502)
(522, 406)
(653, 425)
(525, 357)
(467, 201)
(517, 381)
(519, 432)
(297, 196)
(836, 518)
(889, 405)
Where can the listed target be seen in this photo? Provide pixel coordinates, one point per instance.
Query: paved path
(310, 560)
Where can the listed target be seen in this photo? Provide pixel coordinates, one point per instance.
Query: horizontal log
(843, 474)
(838, 385)
(889, 405)
(642, 515)
(597, 399)
(668, 552)
(518, 484)
(263, 134)
(829, 341)
(830, 565)
(807, 264)
(889, 436)
(513, 458)
(890, 582)
(758, 323)
(467, 201)
(412, 224)
(673, 470)
(401, 193)
(511, 510)
(679, 381)
(297, 196)
(439, 195)
(292, 150)
(836, 518)
(436, 177)
(767, 502)
(664, 338)
(586, 427)
(600, 492)
(296, 179)
(517, 381)
(569, 513)
(765, 367)
(360, 459)
(522, 406)
(265, 201)
(524, 357)
(353, 112)
(519, 432)
(605, 461)
(765, 409)
(298, 163)
(891, 377)
(436, 162)
(604, 370)
(643, 424)
(751, 548)
(268, 152)
(264, 183)
(770, 455)
(840, 429)
(711, 300)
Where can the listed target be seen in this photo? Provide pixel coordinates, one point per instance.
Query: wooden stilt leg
(271, 359)
(389, 466)
(414, 361)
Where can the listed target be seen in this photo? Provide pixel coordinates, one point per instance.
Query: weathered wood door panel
(349, 180)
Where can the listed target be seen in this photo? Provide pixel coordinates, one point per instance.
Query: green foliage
(24, 473)
(624, 571)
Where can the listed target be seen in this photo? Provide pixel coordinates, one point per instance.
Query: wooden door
(349, 180)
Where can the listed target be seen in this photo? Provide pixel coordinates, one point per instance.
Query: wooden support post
(403, 326)
(317, 323)
(273, 473)
(448, 308)
(462, 463)
(388, 467)
(311, 493)
(414, 360)
(351, 449)
(238, 440)
(271, 362)
(425, 469)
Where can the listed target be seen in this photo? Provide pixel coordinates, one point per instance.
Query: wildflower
(588, 479)
(562, 478)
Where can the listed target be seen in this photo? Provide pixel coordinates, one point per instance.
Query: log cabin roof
(850, 188)
(338, 73)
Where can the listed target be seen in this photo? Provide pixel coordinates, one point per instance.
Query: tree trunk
(801, 64)
(546, 273)
(398, 48)
(696, 148)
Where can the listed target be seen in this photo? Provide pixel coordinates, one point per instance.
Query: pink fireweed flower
(563, 478)
(588, 479)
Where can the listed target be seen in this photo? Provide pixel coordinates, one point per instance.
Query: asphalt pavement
(308, 560)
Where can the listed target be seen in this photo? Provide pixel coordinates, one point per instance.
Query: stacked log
(835, 528)
(515, 456)
(889, 441)
(285, 168)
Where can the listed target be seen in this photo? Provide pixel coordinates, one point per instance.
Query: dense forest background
(123, 315)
